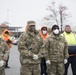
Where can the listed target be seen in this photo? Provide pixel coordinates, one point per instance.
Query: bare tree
(57, 14)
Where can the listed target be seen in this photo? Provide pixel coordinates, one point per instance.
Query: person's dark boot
(7, 66)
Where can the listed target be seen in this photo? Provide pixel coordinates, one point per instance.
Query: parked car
(12, 37)
(15, 41)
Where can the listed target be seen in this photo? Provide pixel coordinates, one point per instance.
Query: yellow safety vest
(70, 38)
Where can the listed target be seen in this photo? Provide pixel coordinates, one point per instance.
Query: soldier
(6, 36)
(44, 35)
(3, 55)
(56, 52)
(29, 45)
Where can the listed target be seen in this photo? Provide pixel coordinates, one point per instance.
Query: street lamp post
(7, 15)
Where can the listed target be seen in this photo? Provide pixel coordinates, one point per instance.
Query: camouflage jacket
(4, 52)
(55, 48)
(28, 45)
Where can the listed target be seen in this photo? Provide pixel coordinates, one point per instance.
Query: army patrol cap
(31, 23)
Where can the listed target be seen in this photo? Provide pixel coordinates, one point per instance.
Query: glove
(65, 61)
(48, 62)
(35, 57)
(1, 63)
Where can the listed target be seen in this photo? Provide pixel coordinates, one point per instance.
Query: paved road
(14, 62)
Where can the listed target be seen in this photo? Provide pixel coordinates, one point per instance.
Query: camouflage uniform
(56, 51)
(3, 54)
(29, 44)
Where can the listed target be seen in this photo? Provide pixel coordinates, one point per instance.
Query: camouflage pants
(30, 69)
(2, 70)
(55, 68)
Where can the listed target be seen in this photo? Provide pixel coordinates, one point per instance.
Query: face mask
(56, 31)
(44, 32)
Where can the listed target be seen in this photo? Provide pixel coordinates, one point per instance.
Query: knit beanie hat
(55, 27)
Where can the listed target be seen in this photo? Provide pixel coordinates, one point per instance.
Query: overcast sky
(18, 12)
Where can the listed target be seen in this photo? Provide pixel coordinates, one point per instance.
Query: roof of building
(3, 25)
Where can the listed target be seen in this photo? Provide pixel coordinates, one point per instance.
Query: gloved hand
(65, 61)
(35, 57)
(48, 62)
(1, 63)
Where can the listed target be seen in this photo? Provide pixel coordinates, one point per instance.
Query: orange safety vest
(6, 38)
